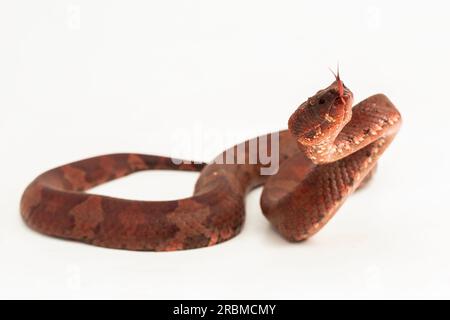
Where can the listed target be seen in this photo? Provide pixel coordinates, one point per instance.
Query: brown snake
(330, 150)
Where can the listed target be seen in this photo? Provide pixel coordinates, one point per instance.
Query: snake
(329, 150)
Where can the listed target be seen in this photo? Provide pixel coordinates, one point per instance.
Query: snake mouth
(341, 110)
(345, 102)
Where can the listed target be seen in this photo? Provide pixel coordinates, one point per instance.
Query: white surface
(81, 78)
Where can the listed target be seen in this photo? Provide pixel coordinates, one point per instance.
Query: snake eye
(322, 101)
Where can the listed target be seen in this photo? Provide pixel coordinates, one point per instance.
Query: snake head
(323, 115)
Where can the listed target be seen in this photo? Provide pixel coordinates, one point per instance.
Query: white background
(189, 78)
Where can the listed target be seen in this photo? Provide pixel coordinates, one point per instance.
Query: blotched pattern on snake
(330, 150)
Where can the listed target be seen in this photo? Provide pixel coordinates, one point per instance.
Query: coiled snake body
(330, 150)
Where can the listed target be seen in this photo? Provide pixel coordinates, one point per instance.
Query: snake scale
(330, 150)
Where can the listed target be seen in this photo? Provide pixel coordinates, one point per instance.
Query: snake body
(329, 151)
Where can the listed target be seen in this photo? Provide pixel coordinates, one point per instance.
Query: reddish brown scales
(326, 155)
